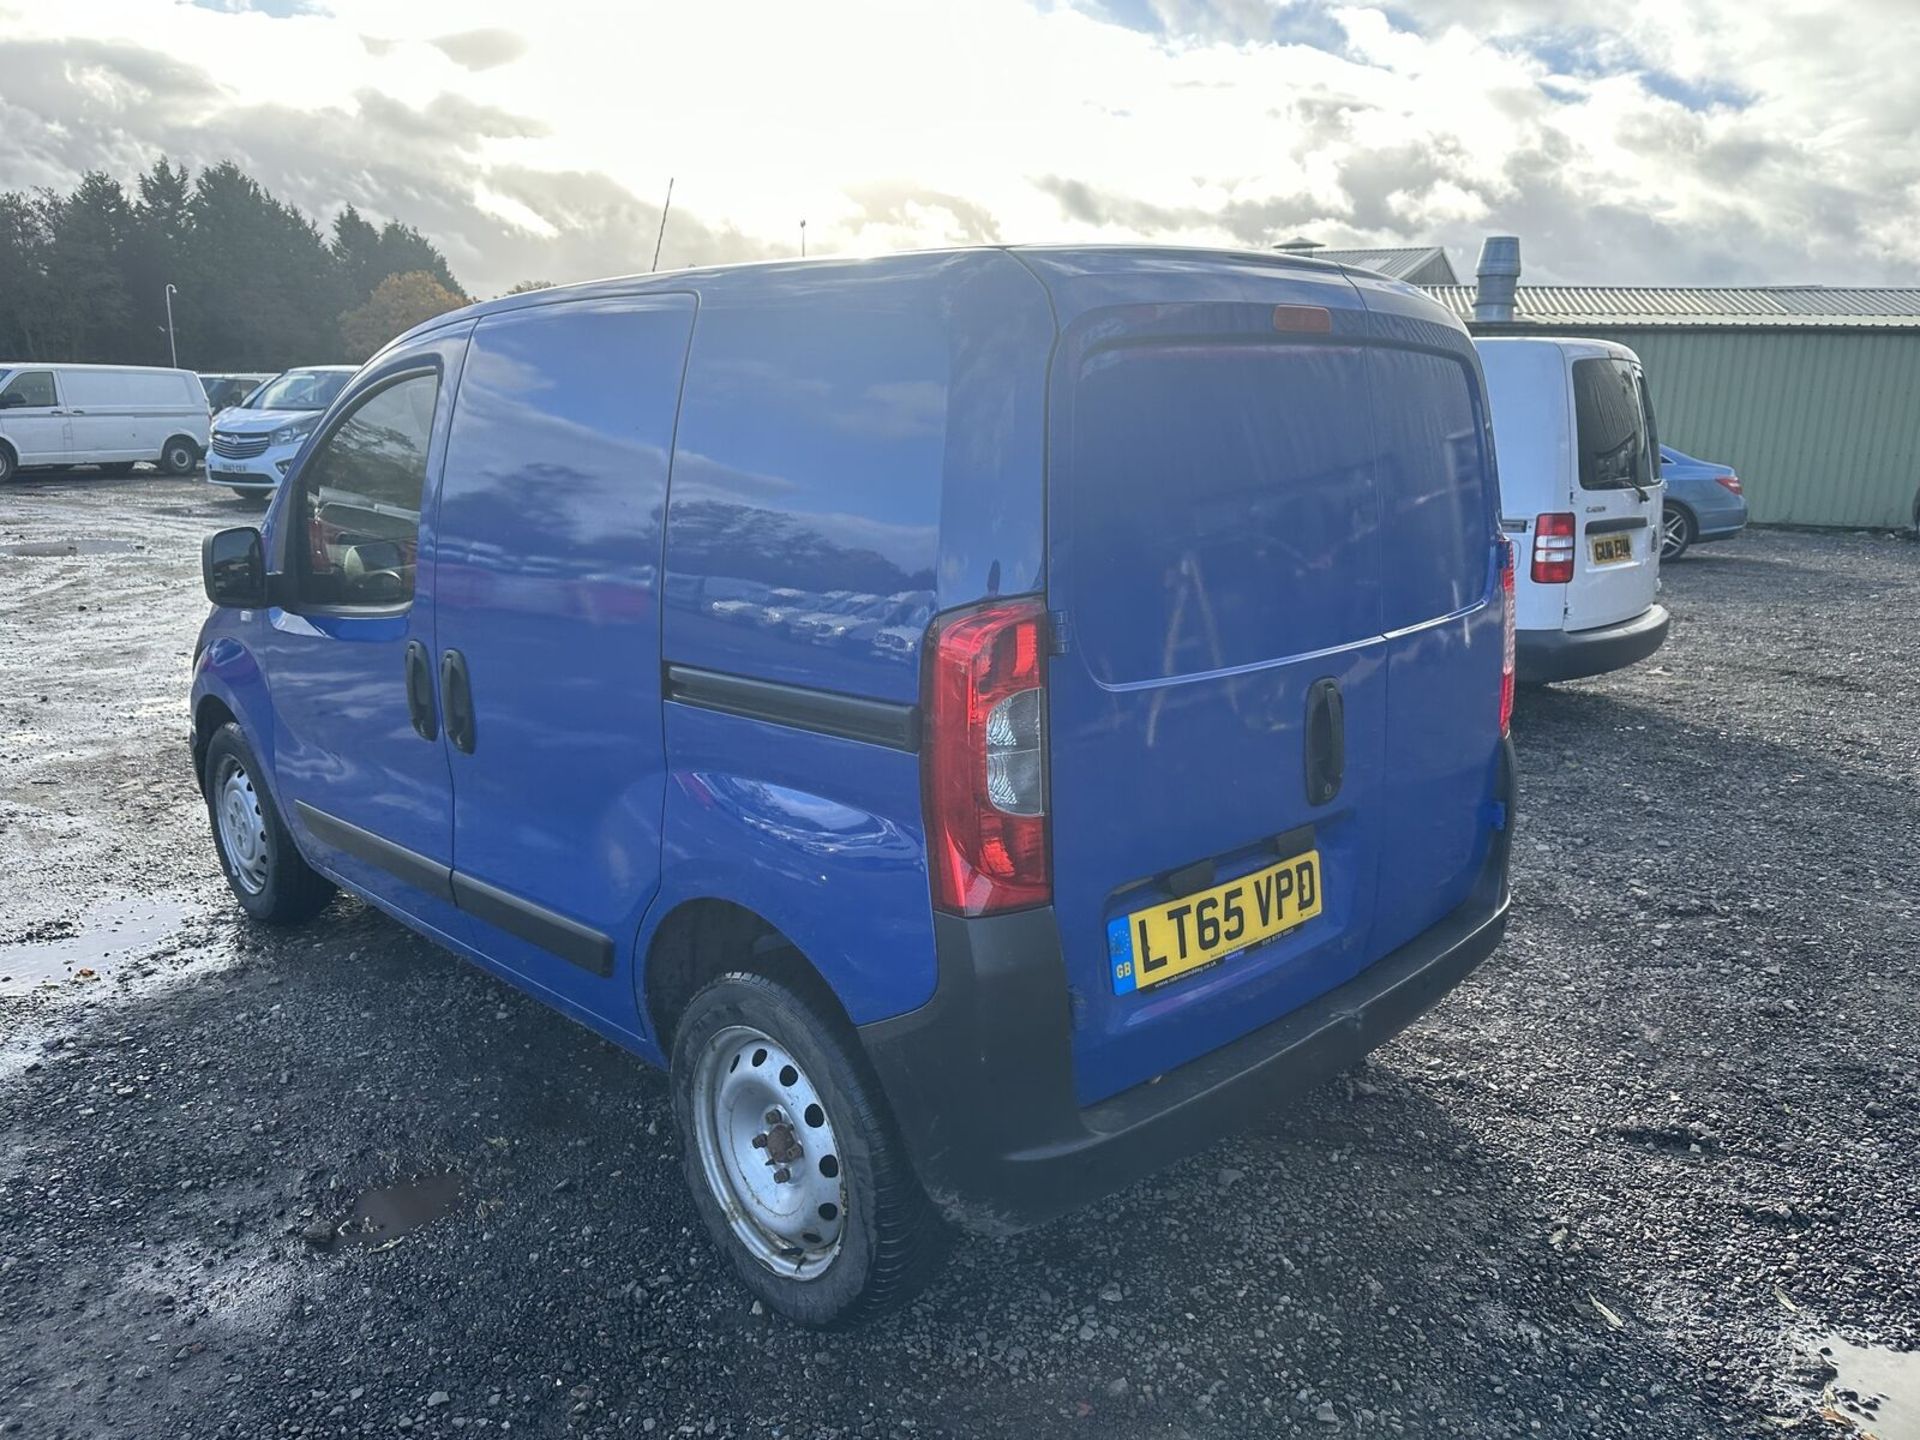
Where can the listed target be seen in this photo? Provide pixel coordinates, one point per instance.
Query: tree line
(258, 285)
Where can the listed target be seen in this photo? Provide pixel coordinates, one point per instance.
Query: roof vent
(1299, 245)
(1499, 276)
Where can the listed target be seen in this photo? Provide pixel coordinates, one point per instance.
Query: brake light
(983, 766)
(1730, 482)
(1553, 549)
(1506, 642)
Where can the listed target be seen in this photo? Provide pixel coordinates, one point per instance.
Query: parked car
(225, 390)
(1145, 845)
(255, 441)
(113, 416)
(1580, 492)
(1704, 501)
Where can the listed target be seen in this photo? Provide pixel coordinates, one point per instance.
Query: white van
(1580, 497)
(106, 415)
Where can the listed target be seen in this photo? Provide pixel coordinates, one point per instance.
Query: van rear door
(1439, 597)
(1616, 496)
(1217, 698)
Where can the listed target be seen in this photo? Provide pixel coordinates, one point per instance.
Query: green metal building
(1811, 394)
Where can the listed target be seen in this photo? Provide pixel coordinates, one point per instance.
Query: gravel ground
(1627, 1181)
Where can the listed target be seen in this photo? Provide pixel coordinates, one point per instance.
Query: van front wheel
(793, 1158)
(267, 873)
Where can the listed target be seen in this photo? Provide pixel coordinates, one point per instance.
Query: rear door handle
(420, 706)
(1326, 741)
(456, 694)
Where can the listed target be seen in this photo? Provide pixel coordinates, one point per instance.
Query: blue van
(989, 722)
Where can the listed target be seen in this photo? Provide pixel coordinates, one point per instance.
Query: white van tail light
(983, 758)
(1553, 549)
(1506, 641)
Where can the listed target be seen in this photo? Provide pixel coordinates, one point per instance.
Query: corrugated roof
(1767, 307)
(1396, 264)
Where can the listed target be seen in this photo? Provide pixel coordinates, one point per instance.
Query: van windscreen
(1223, 505)
(1613, 433)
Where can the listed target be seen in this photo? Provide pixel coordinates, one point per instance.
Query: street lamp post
(173, 351)
(803, 239)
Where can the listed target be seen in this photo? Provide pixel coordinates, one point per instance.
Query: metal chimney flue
(1499, 276)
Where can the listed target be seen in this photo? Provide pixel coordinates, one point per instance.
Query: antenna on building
(663, 225)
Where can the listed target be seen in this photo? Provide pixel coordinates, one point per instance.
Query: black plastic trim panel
(825, 712)
(573, 942)
(408, 865)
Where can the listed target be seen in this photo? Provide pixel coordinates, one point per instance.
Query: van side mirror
(233, 567)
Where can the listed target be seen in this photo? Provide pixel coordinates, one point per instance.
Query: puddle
(71, 547)
(1877, 1389)
(393, 1210)
(99, 942)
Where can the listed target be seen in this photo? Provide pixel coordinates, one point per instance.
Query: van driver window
(359, 499)
(29, 390)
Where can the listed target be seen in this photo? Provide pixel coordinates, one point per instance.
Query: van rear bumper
(1540, 656)
(981, 1077)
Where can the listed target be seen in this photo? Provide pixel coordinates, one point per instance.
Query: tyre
(1677, 532)
(266, 871)
(793, 1158)
(179, 456)
(9, 464)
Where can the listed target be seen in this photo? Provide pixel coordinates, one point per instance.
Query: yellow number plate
(1611, 549)
(1152, 946)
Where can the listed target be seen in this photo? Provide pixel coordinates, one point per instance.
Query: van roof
(1577, 345)
(775, 276)
(74, 365)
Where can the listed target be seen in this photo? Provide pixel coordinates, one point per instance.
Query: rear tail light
(1553, 549)
(983, 765)
(1506, 642)
(1730, 482)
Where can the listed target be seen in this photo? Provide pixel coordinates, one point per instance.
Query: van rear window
(1614, 435)
(1437, 493)
(1223, 507)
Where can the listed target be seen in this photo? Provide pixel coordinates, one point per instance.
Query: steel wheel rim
(756, 1116)
(1673, 533)
(179, 459)
(243, 829)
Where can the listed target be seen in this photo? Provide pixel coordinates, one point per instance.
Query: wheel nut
(782, 1175)
(760, 1142)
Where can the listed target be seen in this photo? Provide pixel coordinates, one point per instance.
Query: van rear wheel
(268, 875)
(179, 456)
(793, 1159)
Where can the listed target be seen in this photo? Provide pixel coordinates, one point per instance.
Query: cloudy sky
(1690, 141)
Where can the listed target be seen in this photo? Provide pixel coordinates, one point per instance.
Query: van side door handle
(1326, 741)
(456, 693)
(420, 706)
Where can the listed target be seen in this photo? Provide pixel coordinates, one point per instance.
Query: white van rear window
(1614, 437)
